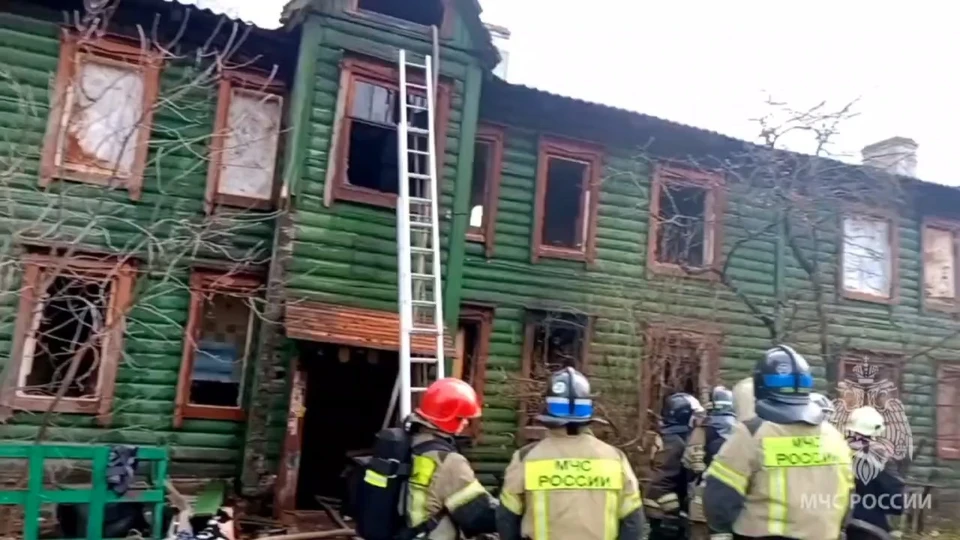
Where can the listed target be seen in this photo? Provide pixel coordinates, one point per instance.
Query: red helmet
(449, 404)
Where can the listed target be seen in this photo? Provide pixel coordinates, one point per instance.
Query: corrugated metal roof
(203, 7)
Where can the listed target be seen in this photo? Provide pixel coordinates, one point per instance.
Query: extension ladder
(418, 234)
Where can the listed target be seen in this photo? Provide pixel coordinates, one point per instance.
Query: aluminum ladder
(418, 234)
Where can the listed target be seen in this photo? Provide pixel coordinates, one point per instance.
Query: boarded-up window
(567, 188)
(99, 125)
(675, 361)
(217, 347)
(684, 222)
(245, 143)
(948, 412)
(940, 264)
(69, 334)
(868, 257)
(552, 341)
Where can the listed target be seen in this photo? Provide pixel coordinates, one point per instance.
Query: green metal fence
(153, 461)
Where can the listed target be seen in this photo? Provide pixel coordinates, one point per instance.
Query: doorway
(348, 391)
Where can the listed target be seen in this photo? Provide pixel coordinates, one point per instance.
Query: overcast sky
(710, 64)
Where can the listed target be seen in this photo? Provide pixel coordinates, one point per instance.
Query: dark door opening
(348, 390)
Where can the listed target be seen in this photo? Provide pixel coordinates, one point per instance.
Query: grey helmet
(823, 401)
(568, 399)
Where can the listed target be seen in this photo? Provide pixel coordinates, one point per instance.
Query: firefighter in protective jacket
(666, 494)
(786, 473)
(570, 485)
(444, 496)
(705, 442)
(877, 481)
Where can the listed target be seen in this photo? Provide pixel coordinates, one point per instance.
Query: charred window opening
(223, 344)
(424, 12)
(68, 323)
(675, 362)
(681, 234)
(480, 186)
(372, 161)
(564, 218)
(558, 341)
(469, 342)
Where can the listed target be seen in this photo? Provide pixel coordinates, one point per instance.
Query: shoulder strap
(525, 450)
(441, 446)
(753, 424)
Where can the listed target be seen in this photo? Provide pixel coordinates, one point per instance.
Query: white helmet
(866, 421)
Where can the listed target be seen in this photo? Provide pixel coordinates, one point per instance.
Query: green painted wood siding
(620, 293)
(346, 253)
(172, 204)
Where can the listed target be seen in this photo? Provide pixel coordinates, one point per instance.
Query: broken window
(368, 166)
(423, 12)
(70, 334)
(251, 133)
(681, 235)
(218, 346)
(940, 263)
(68, 326)
(100, 119)
(479, 186)
(675, 361)
(867, 256)
(683, 224)
(565, 191)
(484, 189)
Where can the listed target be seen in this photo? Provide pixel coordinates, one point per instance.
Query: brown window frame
(592, 156)
(254, 84)
(947, 373)
(532, 317)
(481, 315)
(202, 283)
(708, 336)
(446, 26)
(938, 304)
(380, 74)
(492, 136)
(110, 50)
(894, 241)
(123, 274)
(714, 209)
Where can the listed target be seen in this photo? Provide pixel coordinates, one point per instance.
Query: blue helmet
(568, 399)
(782, 384)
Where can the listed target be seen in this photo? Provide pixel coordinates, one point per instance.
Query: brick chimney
(896, 155)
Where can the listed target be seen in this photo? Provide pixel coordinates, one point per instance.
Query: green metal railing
(153, 461)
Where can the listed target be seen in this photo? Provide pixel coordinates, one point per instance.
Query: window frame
(380, 74)
(202, 283)
(953, 227)
(123, 276)
(893, 242)
(710, 336)
(715, 203)
(531, 317)
(945, 373)
(445, 31)
(492, 135)
(113, 50)
(251, 83)
(483, 316)
(578, 151)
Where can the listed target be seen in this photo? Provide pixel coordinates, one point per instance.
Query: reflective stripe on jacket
(570, 487)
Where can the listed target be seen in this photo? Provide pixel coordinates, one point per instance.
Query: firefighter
(705, 442)
(785, 474)
(877, 482)
(666, 494)
(443, 495)
(570, 485)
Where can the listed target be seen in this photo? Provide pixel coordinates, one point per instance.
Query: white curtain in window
(867, 255)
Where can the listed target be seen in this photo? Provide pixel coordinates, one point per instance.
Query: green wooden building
(653, 255)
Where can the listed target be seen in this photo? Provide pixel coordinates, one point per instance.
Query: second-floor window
(367, 164)
(940, 264)
(101, 113)
(485, 187)
(685, 210)
(568, 184)
(245, 142)
(869, 259)
(423, 12)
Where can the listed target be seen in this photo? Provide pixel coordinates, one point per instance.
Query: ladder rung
(419, 176)
(416, 107)
(417, 131)
(423, 360)
(417, 389)
(423, 303)
(416, 66)
(417, 86)
(420, 200)
(418, 152)
(421, 276)
(425, 330)
(421, 224)
(418, 249)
